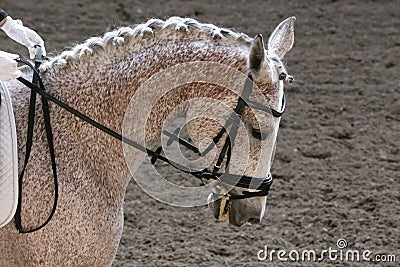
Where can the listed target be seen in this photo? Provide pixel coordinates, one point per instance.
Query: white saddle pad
(8, 159)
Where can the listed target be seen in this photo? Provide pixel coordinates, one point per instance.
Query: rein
(262, 185)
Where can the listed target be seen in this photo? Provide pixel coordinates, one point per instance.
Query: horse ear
(281, 40)
(256, 56)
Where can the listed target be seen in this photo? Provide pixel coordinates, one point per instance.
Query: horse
(99, 77)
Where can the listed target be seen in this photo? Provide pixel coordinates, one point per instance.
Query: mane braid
(151, 28)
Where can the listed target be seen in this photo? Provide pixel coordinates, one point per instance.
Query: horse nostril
(258, 134)
(254, 221)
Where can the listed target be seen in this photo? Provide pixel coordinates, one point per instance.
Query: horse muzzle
(235, 211)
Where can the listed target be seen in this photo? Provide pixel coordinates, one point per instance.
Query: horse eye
(286, 77)
(258, 134)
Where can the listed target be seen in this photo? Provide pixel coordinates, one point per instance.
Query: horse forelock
(156, 28)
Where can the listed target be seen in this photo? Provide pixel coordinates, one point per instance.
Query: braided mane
(138, 34)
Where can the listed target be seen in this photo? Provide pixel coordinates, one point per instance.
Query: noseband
(259, 186)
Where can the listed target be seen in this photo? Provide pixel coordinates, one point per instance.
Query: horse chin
(236, 212)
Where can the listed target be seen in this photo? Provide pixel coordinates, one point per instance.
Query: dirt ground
(337, 166)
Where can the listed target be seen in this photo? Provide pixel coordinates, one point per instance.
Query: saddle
(8, 159)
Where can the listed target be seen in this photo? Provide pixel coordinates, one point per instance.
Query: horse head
(259, 129)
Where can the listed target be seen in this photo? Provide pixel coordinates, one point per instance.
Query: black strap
(234, 119)
(175, 137)
(29, 136)
(273, 112)
(49, 136)
(156, 155)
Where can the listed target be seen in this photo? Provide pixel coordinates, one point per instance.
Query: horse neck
(102, 85)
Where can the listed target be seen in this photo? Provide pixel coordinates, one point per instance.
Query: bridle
(259, 186)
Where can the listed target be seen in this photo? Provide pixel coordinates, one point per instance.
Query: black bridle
(259, 186)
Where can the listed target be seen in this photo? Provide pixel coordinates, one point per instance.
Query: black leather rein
(260, 186)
